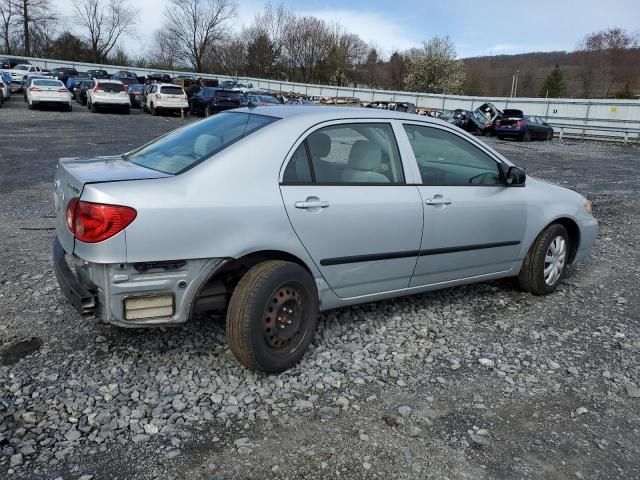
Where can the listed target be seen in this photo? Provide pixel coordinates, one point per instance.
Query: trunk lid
(72, 174)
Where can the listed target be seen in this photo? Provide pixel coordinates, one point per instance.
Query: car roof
(168, 85)
(327, 113)
(107, 80)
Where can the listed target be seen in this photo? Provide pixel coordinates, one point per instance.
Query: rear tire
(69, 108)
(272, 316)
(30, 105)
(153, 110)
(527, 136)
(545, 266)
(127, 111)
(93, 108)
(550, 136)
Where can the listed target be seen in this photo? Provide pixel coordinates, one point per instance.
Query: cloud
(385, 31)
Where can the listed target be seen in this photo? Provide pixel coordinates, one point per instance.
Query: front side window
(184, 148)
(447, 159)
(364, 153)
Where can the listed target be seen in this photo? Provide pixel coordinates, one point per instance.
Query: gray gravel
(480, 381)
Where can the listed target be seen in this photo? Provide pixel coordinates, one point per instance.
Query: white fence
(609, 118)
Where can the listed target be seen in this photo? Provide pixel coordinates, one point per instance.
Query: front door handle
(311, 204)
(438, 200)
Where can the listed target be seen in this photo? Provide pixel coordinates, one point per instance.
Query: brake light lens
(158, 96)
(35, 89)
(63, 90)
(519, 123)
(95, 222)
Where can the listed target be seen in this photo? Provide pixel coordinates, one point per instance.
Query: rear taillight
(63, 90)
(95, 222)
(158, 96)
(35, 89)
(519, 123)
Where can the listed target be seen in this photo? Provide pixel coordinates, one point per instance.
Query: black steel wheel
(272, 316)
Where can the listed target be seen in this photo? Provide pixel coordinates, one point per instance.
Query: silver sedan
(274, 214)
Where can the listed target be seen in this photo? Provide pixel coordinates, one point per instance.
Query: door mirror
(514, 176)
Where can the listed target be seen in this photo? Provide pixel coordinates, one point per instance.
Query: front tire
(272, 316)
(546, 262)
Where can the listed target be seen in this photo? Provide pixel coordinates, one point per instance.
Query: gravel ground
(474, 382)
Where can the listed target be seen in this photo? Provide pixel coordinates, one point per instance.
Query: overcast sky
(477, 27)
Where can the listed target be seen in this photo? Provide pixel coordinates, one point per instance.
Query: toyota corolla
(275, 214)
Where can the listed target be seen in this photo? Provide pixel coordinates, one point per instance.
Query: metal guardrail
(622, 117)
(626, 133)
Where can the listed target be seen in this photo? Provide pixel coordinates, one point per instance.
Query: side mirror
(514, 176)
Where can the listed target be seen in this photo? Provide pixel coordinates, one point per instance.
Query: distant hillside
(584, 76)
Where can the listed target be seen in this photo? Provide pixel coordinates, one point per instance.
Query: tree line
(199, 35)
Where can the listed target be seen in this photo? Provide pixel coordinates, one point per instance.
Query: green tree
(434, 68)
(553, 85)
(626, 92)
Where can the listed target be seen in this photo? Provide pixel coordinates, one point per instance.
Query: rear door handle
(438, 200)
(312, 204)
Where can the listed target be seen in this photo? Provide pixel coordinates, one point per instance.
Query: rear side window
(171, 90)
(110, 87)
(184, 148)
(447, 159)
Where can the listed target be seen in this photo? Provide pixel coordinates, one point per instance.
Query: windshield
(184, 148)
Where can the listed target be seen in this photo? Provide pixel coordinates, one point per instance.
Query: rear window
(136, 88)
(171, 90)
(111, 87)
(184, 148)
(230, 95)
(47, 83)
(21, 67)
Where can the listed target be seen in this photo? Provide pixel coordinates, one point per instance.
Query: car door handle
(438, 200)
(312, 204)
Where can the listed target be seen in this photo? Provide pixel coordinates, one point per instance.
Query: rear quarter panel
(228, 206)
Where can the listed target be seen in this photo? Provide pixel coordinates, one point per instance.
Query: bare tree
(164, 53)
(601, 54)
(104, 22)
(9, 19)
(196, 26)
(307, 42)
(25, 16)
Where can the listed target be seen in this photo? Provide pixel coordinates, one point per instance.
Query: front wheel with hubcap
(546, 263)
(272, 316)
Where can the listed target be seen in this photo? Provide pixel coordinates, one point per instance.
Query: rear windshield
(264, 99)
(47, 83)
(230, 95)
(171, 90)
(184, 148)
(136, 88)
(21, 67)
(111, 87)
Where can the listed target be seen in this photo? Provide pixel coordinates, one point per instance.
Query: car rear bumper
(508, 132)
(137, 295)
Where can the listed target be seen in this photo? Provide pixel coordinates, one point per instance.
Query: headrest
(319, 144)
(365, 155)
(205, 144)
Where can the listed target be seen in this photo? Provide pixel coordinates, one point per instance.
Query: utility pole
(514, 84)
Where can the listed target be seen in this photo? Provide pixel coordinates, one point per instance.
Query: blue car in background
(515, 124)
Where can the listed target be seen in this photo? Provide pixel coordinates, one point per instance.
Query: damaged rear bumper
(138, 295)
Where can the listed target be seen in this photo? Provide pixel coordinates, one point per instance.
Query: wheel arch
(574, 234)
(223, 281)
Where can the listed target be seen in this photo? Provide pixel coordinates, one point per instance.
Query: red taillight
(519, 123)
(158, 96)
(35, 89)
(95, 222)
(63, 90)
(136, 94)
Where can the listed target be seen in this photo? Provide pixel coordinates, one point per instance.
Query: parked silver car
(277, 213)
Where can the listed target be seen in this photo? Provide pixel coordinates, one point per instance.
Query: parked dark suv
(212, 100)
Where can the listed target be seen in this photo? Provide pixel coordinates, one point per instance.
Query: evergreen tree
(554, 84)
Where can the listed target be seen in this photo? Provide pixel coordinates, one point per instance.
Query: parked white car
(108, 93)
(19, 72)
(166, 97)
(48, 91)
